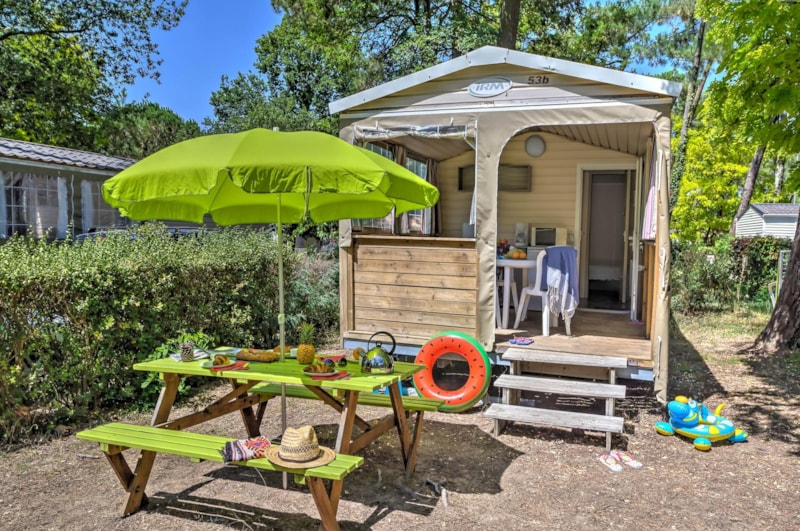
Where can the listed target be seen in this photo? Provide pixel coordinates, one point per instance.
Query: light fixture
(535, 146)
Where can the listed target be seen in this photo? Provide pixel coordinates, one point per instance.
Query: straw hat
(299, 449)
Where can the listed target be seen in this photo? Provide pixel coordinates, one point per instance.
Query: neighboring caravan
(516, 143)
(47, 188)
(769, 219)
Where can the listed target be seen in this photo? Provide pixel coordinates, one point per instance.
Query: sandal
(611, 462)
(521, 340)
(626, 458)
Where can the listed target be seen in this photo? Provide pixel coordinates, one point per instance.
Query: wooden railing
(411, 287)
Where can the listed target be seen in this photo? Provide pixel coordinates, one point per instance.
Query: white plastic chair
(514, 300)
(536, 289)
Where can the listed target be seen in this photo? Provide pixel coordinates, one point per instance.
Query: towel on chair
(560, 275)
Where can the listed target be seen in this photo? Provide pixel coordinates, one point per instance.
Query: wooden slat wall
(413, 288)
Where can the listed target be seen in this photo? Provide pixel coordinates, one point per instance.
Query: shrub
(714, 278)
(702, 278)
(75, 316)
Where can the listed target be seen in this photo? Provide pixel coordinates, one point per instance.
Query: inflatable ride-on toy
(691, 419)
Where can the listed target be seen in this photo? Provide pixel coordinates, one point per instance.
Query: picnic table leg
(346, 421)
(120, 467)
(250, 419)
(411, 463)
(401, 421)
(166, 398)
(325, 505)
(144, 466)
(140, 477)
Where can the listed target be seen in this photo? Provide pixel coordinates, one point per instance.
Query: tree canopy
(61, 60)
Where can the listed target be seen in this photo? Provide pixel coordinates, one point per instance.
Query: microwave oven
(547, 236)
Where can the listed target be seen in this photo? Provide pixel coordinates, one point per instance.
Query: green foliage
(716, 278)
(76, 316)
(136, 130)
(759, 93)
(323, 50)
(151, 385)
(758, 259)
(702, 278)
(61, 60)
(715, 165)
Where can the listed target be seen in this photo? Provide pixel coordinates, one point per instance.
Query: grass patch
(742, 324)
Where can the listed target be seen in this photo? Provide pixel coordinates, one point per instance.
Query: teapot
(377, 360)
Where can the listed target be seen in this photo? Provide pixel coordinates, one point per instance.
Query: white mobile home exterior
(471, 119)
(769, 219)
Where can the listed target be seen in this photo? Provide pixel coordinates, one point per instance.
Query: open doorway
(605, 220)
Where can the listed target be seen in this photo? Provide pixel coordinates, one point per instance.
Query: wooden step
(564, 358)
(550, 417)
(559, 386)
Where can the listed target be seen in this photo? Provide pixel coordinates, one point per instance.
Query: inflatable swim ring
(479, 370)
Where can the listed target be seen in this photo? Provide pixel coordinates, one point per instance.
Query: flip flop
(611, 462)
(521, 340)
(626, 458)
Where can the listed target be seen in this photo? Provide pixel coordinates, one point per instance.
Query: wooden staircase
(514, 383)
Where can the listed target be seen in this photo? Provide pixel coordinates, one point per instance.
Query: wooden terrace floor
(597, 333)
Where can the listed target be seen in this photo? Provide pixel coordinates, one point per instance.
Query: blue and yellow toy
(691, 419)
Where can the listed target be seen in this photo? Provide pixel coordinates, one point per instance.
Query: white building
(769, 219)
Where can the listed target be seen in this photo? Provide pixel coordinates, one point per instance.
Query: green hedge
(732, 271)
(75, 316)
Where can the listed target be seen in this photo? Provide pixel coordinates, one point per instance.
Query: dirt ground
(527, 478)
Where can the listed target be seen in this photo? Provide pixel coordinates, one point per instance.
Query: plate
(228, 351)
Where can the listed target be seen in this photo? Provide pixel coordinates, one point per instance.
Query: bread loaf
(254, 354)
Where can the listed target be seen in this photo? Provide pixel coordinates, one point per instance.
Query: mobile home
(529, 149)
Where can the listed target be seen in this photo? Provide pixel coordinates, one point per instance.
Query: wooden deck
(596, 333)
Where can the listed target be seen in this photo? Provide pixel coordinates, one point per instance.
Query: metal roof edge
(493, 55)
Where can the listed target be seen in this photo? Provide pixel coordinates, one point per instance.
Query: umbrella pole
(281, 326)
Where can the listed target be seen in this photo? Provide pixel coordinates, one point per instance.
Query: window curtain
(87, 206)
(63, 219)
(400, 225)
(436, 210)
(649, 214)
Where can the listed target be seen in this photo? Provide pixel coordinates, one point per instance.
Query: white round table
(508, 264)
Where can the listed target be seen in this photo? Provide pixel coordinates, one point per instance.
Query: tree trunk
(749, 185)
(509, 24)
(780, 174)
(783, 329)
(691, 100)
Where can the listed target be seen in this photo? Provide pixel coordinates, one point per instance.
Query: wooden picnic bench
(116, 437)
(418, 405)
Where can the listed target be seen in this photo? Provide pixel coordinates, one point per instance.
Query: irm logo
(490, 86)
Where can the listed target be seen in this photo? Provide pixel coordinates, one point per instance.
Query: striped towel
(245, 449)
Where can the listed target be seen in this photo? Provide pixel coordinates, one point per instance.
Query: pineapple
(187, 351)
(305, 350)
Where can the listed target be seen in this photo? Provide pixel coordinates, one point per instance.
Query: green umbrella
(263, 176)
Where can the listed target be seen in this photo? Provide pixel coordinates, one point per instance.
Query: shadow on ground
(458, 458)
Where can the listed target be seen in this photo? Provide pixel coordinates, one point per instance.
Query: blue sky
(214, 38)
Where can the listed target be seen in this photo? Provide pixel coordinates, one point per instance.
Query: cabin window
(34, 205)
(416, 221)
(413, 222)
(95, 212)
(509, 178)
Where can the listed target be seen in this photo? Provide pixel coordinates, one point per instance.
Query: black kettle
(377, 360)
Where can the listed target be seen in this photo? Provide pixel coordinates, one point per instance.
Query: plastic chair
(537, 289)
(514, 299)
